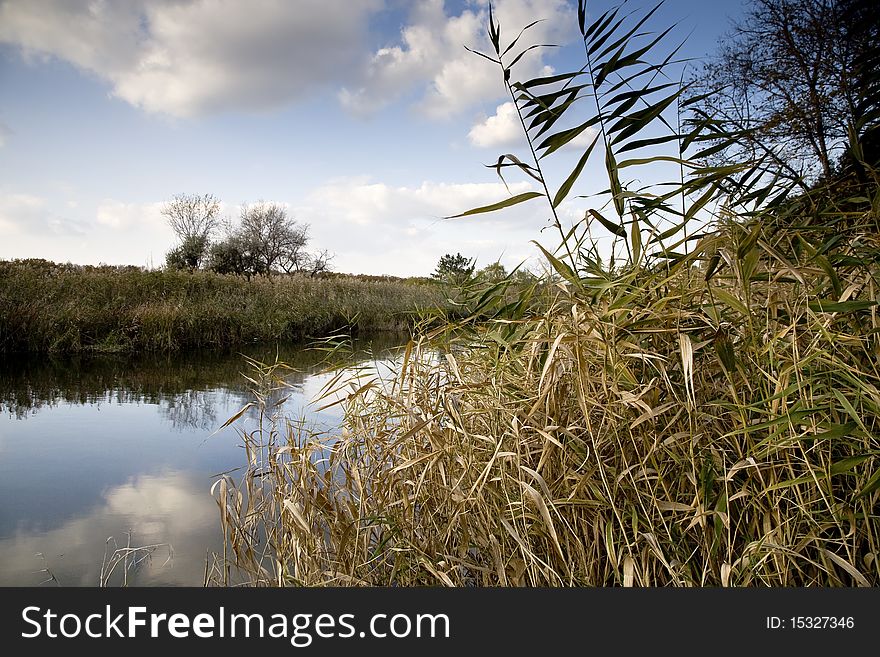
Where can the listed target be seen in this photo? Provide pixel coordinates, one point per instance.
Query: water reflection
(95, 447)
(183, 383)
(171, 508)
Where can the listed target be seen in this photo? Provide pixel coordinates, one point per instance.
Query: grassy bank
(48, 307)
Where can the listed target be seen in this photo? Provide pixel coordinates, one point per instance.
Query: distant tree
(272, 235)
(193, 219)
(228, 257)
(189, 254)
(306, 262)
(454, 269)
(296, 259)
(492, 273)
(525, 276)
(266, 240)
(790, 81)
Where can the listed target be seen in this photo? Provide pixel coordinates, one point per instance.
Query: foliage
(266, 241)
(188, 255)
(454, 269)
(235, 255)
(790, 79)
(271, 236)
(48, 307)
(193, 219)
(492, 273)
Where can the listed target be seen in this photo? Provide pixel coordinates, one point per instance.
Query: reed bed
(722, 433)
(699, 409)
(48, 307)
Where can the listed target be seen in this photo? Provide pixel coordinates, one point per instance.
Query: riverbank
(64, 308)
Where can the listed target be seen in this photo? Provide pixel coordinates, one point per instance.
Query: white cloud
(501, 129)
(25, 214)
(16, 209)
(192, 57)
(171, 507)
(372, 227)
(367, 204)
(188, 57)
(504, 129)
(5, 132)
(377, 228)
(118, 215)
(109, 231)
(430, 56)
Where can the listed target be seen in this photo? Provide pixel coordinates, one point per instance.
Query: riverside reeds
(599, 443)
(51, 307)
(700, 413)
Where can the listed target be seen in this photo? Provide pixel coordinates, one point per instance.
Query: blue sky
(366, 118)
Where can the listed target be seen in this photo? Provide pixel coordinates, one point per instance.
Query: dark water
(98, 448)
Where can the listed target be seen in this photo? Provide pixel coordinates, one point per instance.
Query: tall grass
(700, 409)
(62, 308)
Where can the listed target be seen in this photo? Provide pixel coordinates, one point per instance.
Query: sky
(367, 119)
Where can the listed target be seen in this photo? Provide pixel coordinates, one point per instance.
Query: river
(101, 452)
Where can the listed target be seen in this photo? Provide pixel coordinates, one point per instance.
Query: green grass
(47, 307)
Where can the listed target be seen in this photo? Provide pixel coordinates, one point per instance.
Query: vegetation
(454, 269)
(265, 241)
(696, 405)
(48, 307)
(790, 82)
(193, 219)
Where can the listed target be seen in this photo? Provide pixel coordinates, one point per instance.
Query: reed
(48, 307)
(700, 409)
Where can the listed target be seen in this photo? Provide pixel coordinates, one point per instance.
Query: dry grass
(655, 431)
(704, 412)
(49, 307)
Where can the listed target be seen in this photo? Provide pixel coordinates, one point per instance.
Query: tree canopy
(454, 269)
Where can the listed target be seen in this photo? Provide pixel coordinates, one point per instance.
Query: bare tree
(788, 80)
(192, 218)
(296, 259)
(300, 261)
(319, 263)
(191, 215)
(273, 236)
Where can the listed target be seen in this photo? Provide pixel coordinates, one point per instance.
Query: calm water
(95, 448)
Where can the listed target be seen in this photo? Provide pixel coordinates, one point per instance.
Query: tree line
(265, 240)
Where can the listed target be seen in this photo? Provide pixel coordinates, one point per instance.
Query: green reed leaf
(519, 198)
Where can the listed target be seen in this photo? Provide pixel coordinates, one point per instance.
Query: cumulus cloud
(118, 215)
(501, 129)
(365, 202)
(188, 57)
(192, 57)
(371, 227)
(377, 228)
(504, 129)
(431, 58)
(23, 214)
